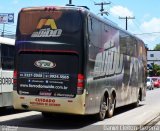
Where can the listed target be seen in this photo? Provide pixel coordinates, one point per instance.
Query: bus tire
(136, 104)
(103, 109)
(46, 114)
(111, 106)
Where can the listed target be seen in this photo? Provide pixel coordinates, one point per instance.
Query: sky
(146, 24)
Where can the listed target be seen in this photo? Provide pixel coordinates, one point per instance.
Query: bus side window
(123, 44)
(95, 32)
(140, 51)
(131, 46)
(144, 53)
(135, 46)
(106, 36)
(90, 25)
(89, 29)
(7, 57)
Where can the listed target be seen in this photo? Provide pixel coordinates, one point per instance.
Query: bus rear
(49, 70)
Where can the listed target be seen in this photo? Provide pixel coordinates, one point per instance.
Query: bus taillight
(80, 84)
(14, 78)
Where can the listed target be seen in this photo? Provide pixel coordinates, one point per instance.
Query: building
(153, 56)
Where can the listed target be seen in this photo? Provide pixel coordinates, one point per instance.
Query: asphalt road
(124, 116)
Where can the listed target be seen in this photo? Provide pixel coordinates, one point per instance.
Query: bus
(69, 60)
(6, 71)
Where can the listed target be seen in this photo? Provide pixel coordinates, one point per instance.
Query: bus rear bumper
(50, 104)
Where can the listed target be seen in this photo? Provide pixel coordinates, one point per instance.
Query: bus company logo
(47, 28)
(45, 64)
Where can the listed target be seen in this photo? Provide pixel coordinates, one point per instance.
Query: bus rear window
(66, 22)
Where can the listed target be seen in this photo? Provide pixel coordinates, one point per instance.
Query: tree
(155, 71)
(157, 47)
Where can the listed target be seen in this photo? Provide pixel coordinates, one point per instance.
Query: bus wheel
(103, 109)
(136, 104)
(46, 114)
(111, 106)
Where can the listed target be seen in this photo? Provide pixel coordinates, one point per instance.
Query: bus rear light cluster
(14, 79)
(80, 84)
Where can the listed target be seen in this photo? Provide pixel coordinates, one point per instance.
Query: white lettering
(47, 33)
(108, 62)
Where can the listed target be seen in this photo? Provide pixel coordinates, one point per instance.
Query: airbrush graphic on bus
(47, 28)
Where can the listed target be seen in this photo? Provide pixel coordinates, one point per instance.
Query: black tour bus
(69, 60)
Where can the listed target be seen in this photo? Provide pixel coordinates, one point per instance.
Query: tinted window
(128, 44)
(131, 46)
(58, 26)
(95, 27)
(151, 55)
(123, 43)
(7, 57)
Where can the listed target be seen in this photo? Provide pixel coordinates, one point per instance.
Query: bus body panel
(6, 71)
(6, 99)
(50, 104)
(110, 68)
(7, 80)
(7, 88)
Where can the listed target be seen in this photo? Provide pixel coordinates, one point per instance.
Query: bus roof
(8, 41)
(51, 8)
(88, 12)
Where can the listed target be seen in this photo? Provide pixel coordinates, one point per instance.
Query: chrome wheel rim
(103, 108)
